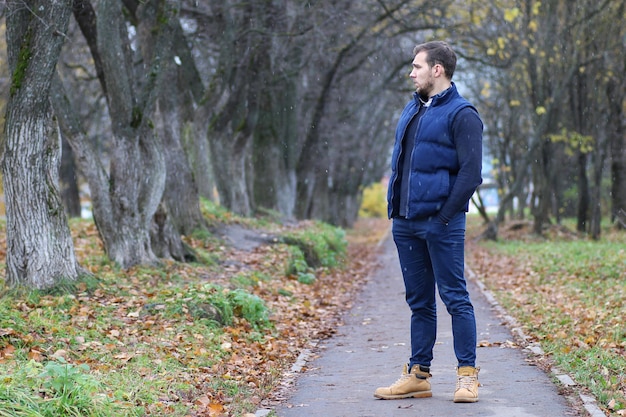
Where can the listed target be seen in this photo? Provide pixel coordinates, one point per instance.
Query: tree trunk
(70, 192)
(273, 152)
(276, 135)
(179, 211)
(541, 181)
(198, 151)
(229, 154)
(234, 105)
(193, 132)
(180, 194)
(130, 195)
(583, 194)
(87, 156)
(617, 139)
(313, 163)
(40, 252)
(599, 159)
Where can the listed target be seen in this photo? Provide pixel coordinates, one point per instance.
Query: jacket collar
(438, 99)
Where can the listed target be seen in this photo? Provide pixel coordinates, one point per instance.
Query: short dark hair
(438, 52)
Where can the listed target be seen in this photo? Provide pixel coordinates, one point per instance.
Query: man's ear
(439, 71)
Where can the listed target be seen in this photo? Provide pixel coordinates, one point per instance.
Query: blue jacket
(445, 162)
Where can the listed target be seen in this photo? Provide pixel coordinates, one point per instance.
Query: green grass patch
(321, 245)
(168, 340)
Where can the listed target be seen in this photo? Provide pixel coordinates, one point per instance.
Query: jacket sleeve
(467, 131)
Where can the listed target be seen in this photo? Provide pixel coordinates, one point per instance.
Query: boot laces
(401, 380)
(466, 382)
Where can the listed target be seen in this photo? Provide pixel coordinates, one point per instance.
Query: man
(435, 169)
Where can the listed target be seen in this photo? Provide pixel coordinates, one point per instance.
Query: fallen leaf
(611, 404)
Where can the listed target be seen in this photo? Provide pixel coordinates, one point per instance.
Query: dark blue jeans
(432, 255)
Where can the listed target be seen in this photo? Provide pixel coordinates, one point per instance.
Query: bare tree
(127, 194)
(40, 252)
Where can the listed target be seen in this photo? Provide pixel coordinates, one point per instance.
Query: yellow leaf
(35, 355)
(511, 14)
(215, 409)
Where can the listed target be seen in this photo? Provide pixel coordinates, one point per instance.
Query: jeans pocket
(437, 227)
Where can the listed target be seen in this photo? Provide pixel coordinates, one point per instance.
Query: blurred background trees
(289, 107)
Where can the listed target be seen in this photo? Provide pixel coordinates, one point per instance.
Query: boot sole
(465, 400)
(421, 394)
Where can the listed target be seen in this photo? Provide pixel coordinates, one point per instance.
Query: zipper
(419, 123)
(397, 161)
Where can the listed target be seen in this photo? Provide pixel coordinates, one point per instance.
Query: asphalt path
(371, 347)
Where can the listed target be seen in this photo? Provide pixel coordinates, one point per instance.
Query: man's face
(422, 75)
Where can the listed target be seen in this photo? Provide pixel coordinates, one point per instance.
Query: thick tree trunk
(229, 153)
(137, 170)
(234, 105)
(276, 134)
(273, 156)
(179, 212)
(189, 91)
(126, 199)
(181, 193)
(198, 150)
(40, 252)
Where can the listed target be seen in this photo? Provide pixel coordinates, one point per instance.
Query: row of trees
(552, 76)
(284, 106)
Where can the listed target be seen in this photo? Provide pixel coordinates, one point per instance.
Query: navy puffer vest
(433, 159)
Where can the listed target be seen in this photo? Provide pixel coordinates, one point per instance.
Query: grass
(569, 295)
(209, 338)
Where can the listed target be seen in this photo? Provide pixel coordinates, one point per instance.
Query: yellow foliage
(486, 90)
(511, 14)
(374, 202)
(574, 141)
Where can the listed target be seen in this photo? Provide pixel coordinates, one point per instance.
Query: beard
(426, 89)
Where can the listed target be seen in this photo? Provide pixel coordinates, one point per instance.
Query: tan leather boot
(466, 385)
(413, 383)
